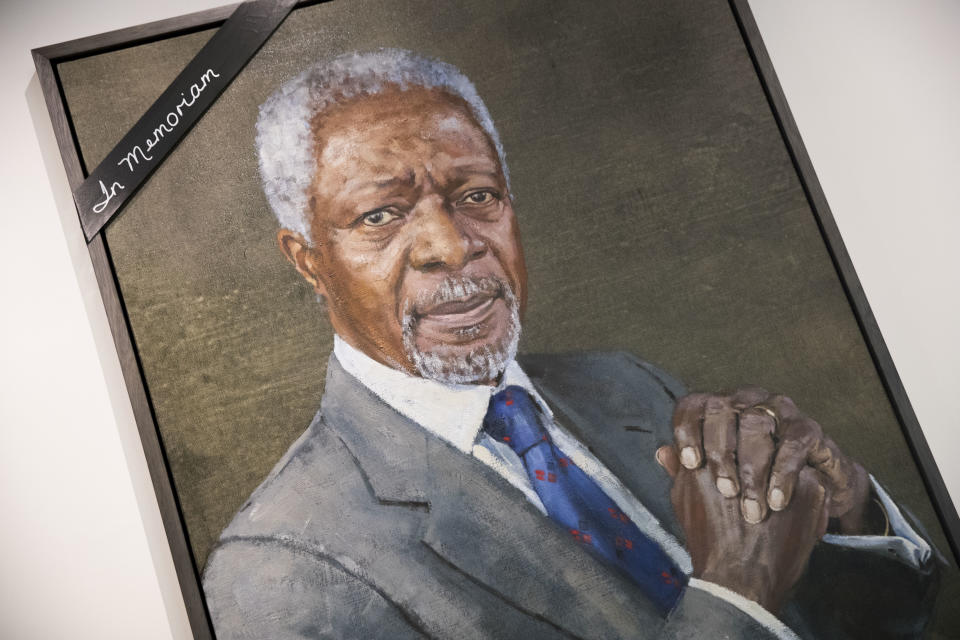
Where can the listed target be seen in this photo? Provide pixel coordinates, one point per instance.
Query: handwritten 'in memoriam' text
(166, 126)
(169, 123)
(108, 195)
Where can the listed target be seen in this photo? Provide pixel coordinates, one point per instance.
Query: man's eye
(379, 218)
(479, 197)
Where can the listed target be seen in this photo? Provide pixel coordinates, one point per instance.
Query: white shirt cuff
(903, 542)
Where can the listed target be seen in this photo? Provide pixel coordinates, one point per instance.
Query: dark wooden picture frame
(48, 58)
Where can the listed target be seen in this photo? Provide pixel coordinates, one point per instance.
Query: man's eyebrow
(465, 173)
(476, 165)
(360, 185)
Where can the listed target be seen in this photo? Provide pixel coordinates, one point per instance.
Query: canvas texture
(659, 209)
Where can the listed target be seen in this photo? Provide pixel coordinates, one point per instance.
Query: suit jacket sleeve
(287, 592)
(700, 614)
(849, 592)
(867, 592)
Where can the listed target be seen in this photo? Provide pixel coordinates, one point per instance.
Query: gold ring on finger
(770, 412)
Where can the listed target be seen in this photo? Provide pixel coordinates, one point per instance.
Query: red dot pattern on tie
(580, 536)
(549, 476)
(667, 579)
(616, 514)
(576, 501)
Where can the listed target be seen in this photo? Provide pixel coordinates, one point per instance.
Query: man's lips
(457, 307)
(459, 313)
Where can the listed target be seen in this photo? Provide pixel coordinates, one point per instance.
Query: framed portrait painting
(473, 320)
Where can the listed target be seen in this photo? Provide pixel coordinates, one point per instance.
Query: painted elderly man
(448, 488)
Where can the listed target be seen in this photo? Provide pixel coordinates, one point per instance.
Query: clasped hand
(755, 484)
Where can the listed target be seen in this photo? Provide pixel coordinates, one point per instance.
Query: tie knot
(514, 418)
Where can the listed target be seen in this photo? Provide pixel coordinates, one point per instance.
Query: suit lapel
(487, 529)
(480, 524)
(390, 449)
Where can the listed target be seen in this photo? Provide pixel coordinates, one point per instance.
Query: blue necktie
(575, 502)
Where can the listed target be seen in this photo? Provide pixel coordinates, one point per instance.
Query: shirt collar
(453, 412)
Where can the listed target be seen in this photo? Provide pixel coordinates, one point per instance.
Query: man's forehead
(418, 113)
(384, 135)
(388, 143)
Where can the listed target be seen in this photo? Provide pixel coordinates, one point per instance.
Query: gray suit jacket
(371, 527)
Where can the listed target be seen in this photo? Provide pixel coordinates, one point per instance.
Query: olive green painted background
(659, 209)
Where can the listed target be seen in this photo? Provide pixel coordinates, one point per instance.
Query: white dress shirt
(455, 413)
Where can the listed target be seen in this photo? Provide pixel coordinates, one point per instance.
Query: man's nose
(441, 241)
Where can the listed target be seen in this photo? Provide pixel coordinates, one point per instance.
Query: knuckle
(791, 454)
(720, 458)
(813, 428)
(716, 405)
(749, 467)
(691, 399)
(807, 480)
(687, 405)
(805, 431)
(755, 422)
(746, 396)
(756, 390)
(756, 461)
(785, 407)
(800, 433)
(682, 433)
(782, 401)
(749, 478)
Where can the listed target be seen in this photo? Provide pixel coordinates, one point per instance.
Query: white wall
(874, 88)
(82, 550)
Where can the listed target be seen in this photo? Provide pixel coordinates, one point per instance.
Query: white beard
(484, 362)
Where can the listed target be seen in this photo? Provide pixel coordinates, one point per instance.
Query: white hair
(285, 141)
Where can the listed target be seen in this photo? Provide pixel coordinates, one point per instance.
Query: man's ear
(302, 256)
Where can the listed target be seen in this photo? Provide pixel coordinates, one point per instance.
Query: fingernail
(726, 487)
(689, 457)
(776, 499)
(661, 457)
(751, 511)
